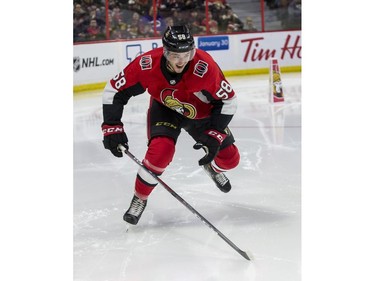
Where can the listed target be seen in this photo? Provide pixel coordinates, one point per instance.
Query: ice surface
(261, 214)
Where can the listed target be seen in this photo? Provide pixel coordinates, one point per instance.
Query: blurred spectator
(169, 21)
(192, 4)
(249, 25)
(144, 6)
(289, 13)
(80, 23)
(127, 11)
(231, 18)
(218, 11)
(194, 23)
(91, 2)
(79, 29)
(152, 19)
(120, 26)
(211, 2)
(178, 17)
(117, 34)
(147, 31)
(132, 32)
(78, 11)
(214, 29)
(134, 20)
(174, 5)
(95, 13)
(272, 4)
(94, 32)
(230, 28)
(211, 24)
(116, 15)
(294, 15)
(134, 5)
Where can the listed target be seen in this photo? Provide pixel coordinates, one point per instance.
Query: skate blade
(128, 227)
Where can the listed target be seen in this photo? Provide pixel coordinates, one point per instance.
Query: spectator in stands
(144, 6)
(169, 21)
(230, 28)
(164, 10)
(134, 20)
(132, 6)
(90, 2)
(80, 23)
(191, 4)
(218, 11)
(272, 4)
(151, 17)
(214, 29)
(194, 23)
(147, 31)
(121, 27)
(132, 32)
(78, 11)
(79, 29)
(231, 18)
(117, 34)
(116, 19)
(210, 23)
(100, 15)
(125, 15)
(294, 15)
(96, 14)
(173, 5)
(289, 13)
(211, 2)
(249, 25)
(94, 32)
(178, 18)
(116, 15)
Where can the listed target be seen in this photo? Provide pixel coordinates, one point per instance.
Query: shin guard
(159, 154)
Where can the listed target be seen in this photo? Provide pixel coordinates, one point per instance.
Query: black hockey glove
(113, 136)
(210, 141)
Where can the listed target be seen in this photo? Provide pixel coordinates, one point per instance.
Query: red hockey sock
(158, 156)
(227, 159)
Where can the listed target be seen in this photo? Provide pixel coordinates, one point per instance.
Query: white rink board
(96, 63)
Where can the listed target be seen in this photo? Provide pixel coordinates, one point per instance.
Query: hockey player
(188, 91)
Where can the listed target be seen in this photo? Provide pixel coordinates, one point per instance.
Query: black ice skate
(134, 213)
(221, 181)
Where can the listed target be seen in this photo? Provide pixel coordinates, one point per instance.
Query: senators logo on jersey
(146, 62)
(168, 99)
(200, 68)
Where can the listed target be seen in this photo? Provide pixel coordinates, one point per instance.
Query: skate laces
(137, 207)
(221, 178)
(217, 177)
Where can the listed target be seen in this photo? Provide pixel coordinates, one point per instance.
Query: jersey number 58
(120, 80)
(224, 91)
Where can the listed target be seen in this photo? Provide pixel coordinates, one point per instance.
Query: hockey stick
(187, 205)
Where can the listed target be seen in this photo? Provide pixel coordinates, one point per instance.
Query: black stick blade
(244, 254)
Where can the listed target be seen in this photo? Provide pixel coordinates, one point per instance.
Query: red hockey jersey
(200, 91)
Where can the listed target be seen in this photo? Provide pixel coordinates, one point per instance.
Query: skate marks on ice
(170, 233)
(183, 250)
(261, 213)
